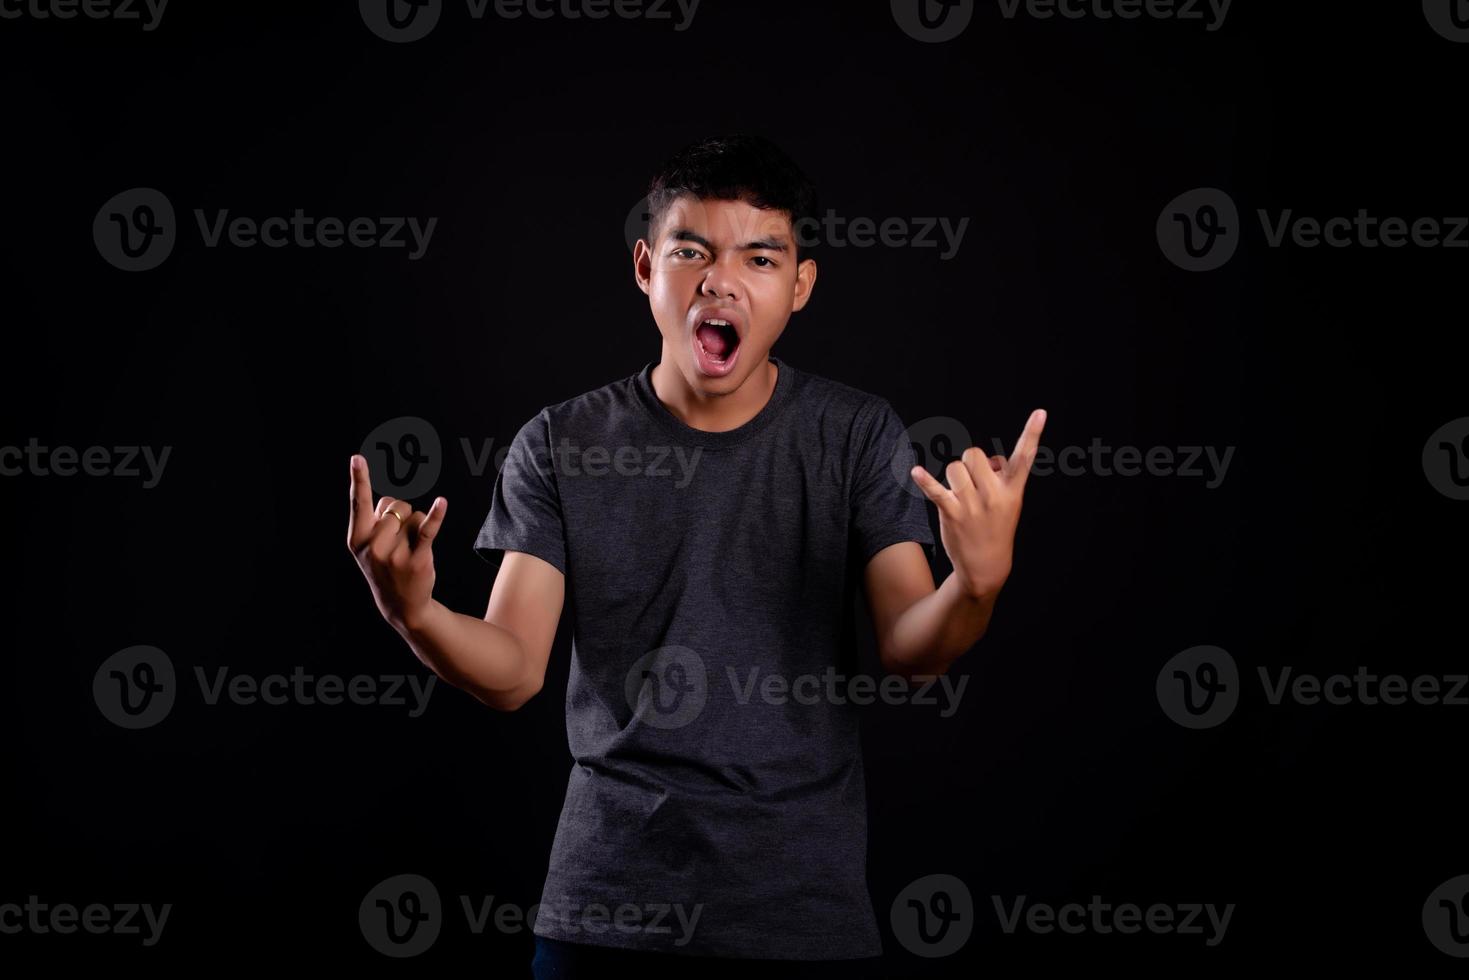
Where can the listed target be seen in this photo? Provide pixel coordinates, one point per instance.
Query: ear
(805, 282)
(642, 265)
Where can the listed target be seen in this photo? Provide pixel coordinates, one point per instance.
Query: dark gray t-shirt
(716, 804)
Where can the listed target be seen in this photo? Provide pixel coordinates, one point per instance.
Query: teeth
(719, 323)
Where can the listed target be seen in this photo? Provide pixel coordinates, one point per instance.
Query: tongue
(714, 339)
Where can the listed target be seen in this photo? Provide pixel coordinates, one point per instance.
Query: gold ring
(390, 510)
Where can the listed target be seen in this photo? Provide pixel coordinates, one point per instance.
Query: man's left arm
(922, 630)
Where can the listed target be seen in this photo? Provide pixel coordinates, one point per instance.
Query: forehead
(726, 222)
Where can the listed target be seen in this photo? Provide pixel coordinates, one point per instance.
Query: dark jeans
(557, 960)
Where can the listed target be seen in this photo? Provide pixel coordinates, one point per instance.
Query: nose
(720, 282)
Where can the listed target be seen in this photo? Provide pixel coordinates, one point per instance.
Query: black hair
(736, 167)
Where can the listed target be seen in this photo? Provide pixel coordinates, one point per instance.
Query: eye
(693, 252)
(760, 258)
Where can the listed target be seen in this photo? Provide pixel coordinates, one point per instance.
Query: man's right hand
(393, 545)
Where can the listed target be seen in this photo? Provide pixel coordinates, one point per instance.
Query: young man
(709, 516)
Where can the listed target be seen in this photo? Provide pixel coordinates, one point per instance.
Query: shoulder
(859, 426)
(847, 406)
(597, 407)
(597, 399)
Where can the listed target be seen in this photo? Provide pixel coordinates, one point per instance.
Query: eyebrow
(769, 244)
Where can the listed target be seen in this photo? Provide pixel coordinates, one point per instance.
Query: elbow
(891, 664)
(909, 667)
(512, 700)
(524, 695)
(893, 667)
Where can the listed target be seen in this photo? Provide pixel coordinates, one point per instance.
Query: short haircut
(736, 167)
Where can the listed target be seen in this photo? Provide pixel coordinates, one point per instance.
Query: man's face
(721, 260)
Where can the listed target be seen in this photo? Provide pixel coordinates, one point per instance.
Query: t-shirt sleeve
(525, 514)
(887, 505)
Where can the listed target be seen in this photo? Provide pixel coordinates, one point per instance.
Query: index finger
(1018, 467)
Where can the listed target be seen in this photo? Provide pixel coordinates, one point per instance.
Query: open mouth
(716, 344)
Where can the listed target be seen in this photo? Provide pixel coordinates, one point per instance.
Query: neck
(713, 411)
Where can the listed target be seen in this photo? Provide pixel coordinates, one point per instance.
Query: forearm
(937, 630)
(472, 654)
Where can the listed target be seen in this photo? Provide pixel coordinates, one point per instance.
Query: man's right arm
(501, 659)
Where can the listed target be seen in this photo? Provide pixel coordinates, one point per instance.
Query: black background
(1324, 548)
